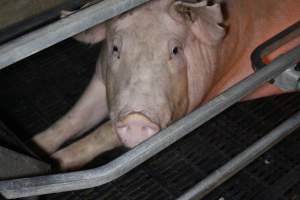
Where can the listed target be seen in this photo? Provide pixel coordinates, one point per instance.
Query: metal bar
(44, 37)
(95, 177)
(274, 43)
(28, 24)
(243, 159)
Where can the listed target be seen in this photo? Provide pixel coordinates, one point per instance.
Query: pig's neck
(201, 69)
(232, 54)
(234, 49)
(246, 30)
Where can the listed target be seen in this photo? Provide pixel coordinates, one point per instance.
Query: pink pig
(159, 62)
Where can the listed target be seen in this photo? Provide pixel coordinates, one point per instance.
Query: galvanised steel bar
(95, 177)
(243, 159)
(51, 34)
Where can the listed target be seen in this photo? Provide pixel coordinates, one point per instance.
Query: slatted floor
(36, 91)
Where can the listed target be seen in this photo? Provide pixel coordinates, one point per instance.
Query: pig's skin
(250, 23)
(246, 28)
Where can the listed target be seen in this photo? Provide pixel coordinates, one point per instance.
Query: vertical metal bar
(44, 37)
(242, 160)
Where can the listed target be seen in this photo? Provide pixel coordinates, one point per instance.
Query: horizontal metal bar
(95, 177)
(243, 159)
(51, 34)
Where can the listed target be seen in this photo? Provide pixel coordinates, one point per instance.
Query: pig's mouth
(135, 128)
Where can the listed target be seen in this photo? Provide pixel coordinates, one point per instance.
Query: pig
(159, 62)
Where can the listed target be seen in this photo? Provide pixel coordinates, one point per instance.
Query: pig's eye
(175, 50)
(116, 47)
(116, 52)
(176, 58)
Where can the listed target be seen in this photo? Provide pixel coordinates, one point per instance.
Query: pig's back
(250, 23)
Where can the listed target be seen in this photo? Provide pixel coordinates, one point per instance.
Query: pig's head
(157, 63)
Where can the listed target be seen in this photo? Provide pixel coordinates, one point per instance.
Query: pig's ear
(92, 35)
(205, 20)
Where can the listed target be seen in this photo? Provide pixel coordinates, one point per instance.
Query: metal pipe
(243, 159)
(51, 34)
(95, 177)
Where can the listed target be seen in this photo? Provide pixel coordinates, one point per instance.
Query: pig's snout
(135, 128)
